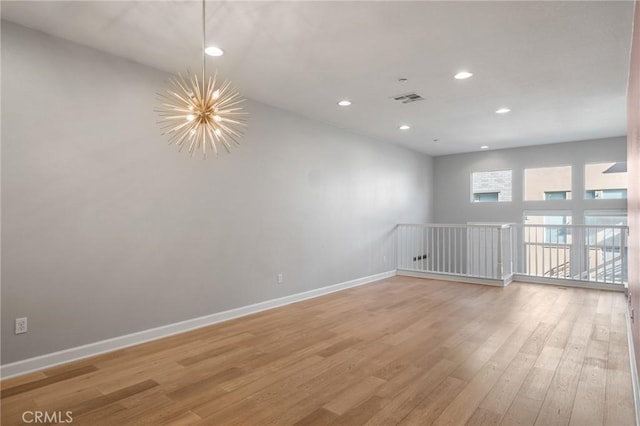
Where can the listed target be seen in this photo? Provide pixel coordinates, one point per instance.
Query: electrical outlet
(21, 325)
(280, 278)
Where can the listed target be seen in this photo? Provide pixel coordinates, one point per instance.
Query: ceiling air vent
(407, 98)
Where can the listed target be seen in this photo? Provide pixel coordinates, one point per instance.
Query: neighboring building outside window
(557, 195)
(604, 181)
(547, 183)
(492, 186)
(486, 197)
(605, 194)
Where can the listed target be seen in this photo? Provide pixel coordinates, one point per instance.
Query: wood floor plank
(619, 405)
(354, 395)
(319, 417)
(361, 413)
(435, 403)
(96, 403)
(47, 381)
(401, 351)
(407, 400)
(558, 404)
(588, 408)
(527, 402)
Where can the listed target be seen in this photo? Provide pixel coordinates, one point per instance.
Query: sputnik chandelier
(201, 114)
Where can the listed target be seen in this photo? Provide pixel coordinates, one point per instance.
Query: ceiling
(561, 67)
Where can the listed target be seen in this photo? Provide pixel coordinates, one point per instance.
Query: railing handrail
(506, 225)
(547, 244)
(539, 225)
(461, 225)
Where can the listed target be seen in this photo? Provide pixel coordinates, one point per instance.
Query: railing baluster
(597, 253)
(403, 241)
(494, 252)
(455, 250)
(477, 267)
(438, 251)
(613, 259)
(623, 254)
(485, 271)
(614, 248)
(406, 247)
(423, 262)
(546, 246)
(557, 249)
(449, 250)
(604, 256)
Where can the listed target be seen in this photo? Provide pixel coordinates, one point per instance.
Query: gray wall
(452, 177)
(108, 231)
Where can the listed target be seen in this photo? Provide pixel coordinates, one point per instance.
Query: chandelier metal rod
(204, 40)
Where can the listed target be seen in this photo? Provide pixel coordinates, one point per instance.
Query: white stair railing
(587, 253)
(591, 253)
(478, 251)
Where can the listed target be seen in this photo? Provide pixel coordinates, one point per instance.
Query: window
(554, 233)
(605, 181)
(492, 186)
(547, 183)
(556, 195)
(608, 237)
(604, 194)
(486, 197)
(611, 218)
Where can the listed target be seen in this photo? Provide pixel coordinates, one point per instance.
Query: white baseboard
(568, 283)
(634, 369)
(49, 360)
(456, 278)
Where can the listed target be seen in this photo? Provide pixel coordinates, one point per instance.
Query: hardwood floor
(401, 351)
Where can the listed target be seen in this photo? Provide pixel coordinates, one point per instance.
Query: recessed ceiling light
(484, 147)
(344, 102)
(462, 75)
(404, 127)
(502, 111)
(214, 51)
